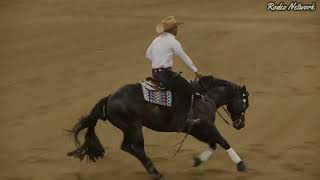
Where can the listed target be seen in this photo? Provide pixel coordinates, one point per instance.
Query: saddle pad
(160, 97)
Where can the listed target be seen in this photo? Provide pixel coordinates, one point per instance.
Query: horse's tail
(92, 148)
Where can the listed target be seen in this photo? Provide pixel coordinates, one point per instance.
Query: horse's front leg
(204, 156)
(230, 151)
(204, 132)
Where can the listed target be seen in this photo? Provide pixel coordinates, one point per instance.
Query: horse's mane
(212, 82)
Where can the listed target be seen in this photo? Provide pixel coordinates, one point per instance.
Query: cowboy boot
(190, 123)
(187, 123)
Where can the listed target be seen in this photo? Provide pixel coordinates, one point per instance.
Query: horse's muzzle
(239, 123)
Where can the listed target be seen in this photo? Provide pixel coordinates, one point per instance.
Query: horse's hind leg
(133, 143)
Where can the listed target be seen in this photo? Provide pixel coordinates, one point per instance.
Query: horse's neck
(221, 91)
(221, 95)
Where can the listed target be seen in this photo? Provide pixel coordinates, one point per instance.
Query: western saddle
(155, 84)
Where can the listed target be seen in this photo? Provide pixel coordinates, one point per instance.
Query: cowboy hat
(167, 23)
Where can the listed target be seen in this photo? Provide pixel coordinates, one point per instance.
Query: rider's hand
(198, 74)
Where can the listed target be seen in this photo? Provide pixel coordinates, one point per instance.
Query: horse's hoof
(157, 177)
(196, 161)
(241, 166)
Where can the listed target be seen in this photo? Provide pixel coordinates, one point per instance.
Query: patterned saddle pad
(161, 97)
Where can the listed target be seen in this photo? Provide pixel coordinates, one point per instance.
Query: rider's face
(174, 31)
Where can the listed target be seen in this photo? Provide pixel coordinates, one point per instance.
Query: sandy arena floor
(58, 57)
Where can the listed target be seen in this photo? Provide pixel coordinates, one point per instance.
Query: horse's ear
(244, 87)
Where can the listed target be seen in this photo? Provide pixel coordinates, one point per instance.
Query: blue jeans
(180, 87)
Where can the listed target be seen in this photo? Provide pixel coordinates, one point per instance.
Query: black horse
(127, 110)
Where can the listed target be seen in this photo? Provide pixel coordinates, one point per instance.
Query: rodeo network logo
(293, 6)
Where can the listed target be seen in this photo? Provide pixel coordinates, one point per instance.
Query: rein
(227, 122)
(189, 130)
(225, 110)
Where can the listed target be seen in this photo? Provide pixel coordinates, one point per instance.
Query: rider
(160, 53)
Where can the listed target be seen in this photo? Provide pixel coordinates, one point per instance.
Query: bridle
(244, 111)
(224, 109)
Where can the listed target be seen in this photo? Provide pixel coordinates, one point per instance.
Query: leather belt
(161, 69)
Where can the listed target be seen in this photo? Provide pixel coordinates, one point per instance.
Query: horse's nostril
(239, 121)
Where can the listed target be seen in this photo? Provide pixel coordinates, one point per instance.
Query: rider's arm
(178, 50)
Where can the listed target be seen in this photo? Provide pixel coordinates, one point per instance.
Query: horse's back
(125, 101)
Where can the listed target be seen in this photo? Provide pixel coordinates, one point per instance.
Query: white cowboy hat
(167, 23)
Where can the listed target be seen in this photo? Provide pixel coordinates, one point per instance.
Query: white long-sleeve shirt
(163, 48)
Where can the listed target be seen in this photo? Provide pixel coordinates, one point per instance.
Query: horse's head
(227, 93)
(238, 106)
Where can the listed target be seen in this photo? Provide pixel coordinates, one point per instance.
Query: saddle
(154, 92)
(154, 84)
